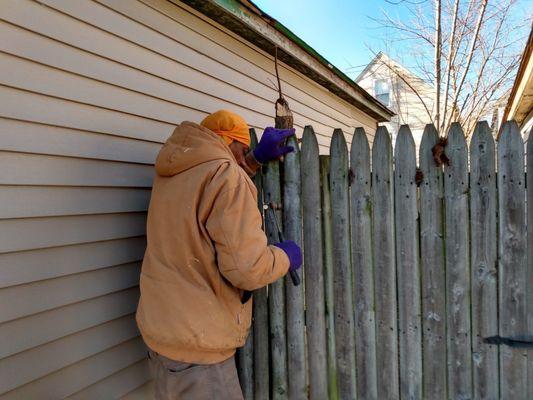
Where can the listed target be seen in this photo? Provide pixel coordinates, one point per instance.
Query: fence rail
(406, 271)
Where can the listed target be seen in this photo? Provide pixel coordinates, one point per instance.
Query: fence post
(276, 291)
(361, 236)
(328, 277)
(529, 153)
(314, 267)
(407, 264)
(245, 355)
(457, 266)
(432, 270)
(292, 224)
(483, 261)
(512, 256)
(384, 266)
(342, 273)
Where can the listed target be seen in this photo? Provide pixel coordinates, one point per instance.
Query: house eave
(249, 22)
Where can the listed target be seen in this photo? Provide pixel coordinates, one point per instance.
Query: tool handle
(295, 278)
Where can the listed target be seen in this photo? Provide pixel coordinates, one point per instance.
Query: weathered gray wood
(483, 262)
(408, 266)
(328, 277)
(245, 355)
(314, 267)
(276, 291)
(292, 225)
(384, 266)
(260, 330)
(512, 259)
(529, 292)
(363, 281)
(432, 270)
(342, 268)
(457, 266)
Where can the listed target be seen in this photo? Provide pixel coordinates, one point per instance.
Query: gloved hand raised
(270, 146)
(293, 252)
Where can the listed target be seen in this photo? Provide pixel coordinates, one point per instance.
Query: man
(205, 248)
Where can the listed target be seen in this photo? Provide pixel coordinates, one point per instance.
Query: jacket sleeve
(234, 225)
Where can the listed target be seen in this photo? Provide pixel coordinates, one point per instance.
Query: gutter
(249, 22)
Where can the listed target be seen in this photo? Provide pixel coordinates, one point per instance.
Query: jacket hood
(190, 145)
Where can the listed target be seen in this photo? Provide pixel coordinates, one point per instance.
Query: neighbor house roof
(382, 59)
(520, 103)
(247, 20)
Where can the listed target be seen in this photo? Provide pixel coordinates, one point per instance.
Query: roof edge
(248, 21)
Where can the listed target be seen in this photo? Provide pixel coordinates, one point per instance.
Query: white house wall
(89, 91)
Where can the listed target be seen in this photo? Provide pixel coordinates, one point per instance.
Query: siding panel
(82, 119)
(34, 233)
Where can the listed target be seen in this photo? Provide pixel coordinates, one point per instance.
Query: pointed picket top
(359, 152)
(382, 138)
(511, 140)
(481, 145)
(309, 144)
(405, 144)
(338, 141)
(456, 174)
(430, 138)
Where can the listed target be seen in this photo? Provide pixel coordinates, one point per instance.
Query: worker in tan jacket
(205, 248)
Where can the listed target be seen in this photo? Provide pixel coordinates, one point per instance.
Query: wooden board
(363, 268)
(342, 267)
(432, 270)
(484, 267)
(384, 267)
(329, 290)
(408, 266)
(292, 226)
(512, 253)
(457, 266)
(314, 267)
(276, 291)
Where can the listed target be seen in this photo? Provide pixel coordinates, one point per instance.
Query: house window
(382, 91)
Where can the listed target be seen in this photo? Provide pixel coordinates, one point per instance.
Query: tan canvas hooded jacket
(205, 244)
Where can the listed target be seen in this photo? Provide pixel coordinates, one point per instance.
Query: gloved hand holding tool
(271, 146)
(289, 247)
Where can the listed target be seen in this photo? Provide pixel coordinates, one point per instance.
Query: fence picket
(529, 292)
(457, 266)
(432, 270)
(342, 275)
(483, 261)
(314, 267)
(512, 256)
(361, 234)
(384, 266)
(328, 277)
(276, 291)
(292, 225)
(407, 264)
(245, 355)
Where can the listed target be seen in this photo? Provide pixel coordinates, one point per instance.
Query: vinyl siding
(90, 90)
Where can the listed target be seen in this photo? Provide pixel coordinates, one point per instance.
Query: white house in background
(402, 91)
(520, 105)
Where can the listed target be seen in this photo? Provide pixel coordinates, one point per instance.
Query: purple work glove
(293, 252)
(270, 146)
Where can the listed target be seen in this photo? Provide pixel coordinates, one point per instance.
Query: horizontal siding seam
(63, 156)
(75, 215)
(127, 138)
(142, 360)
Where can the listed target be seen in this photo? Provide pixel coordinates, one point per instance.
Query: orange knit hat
(228, 125)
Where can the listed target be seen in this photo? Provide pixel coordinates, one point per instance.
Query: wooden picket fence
(402, 278)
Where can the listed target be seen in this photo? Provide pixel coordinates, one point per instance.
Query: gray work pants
(177, 380)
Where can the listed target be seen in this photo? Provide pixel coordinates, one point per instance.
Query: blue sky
(342, 30)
